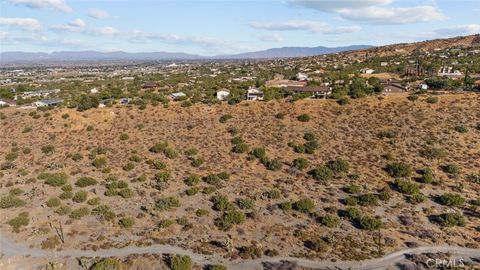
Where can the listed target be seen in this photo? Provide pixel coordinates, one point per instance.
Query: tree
(87, 102)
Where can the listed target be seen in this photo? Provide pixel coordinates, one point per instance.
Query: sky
(227, 27)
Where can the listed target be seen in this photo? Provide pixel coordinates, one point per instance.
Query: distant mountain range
(66, 56)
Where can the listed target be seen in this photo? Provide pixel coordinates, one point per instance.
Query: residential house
(93, 90)
(302, 77)
(367, 71)
(422, 86)
(393, 88)
(450, 72)
(125, 101)
(222, 94)
(178, 95)
(255, 94)
(48, 102)
(39, 93)
(7, 103)
(150, 85)
(313, 91)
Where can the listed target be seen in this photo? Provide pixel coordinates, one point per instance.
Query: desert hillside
(311, 178)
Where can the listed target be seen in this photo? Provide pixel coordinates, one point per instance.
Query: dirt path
(10, 249)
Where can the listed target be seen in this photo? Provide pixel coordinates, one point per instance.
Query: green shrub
(370, 223)
(181, 262)
(368, 199)
(228, 219)
(54, 179)
(53, 202)
(224, 118)
(417, 198)
(350, 201)
(108, 264)
(431, 100)
(399, 169)
(99, 162)
(303, 117)
(451, 168)
(10, 201)
(79, 213)
(21, 220)
(272, 194)
(461, 129)
(427, 176)
(124, 137)
(165, 223)
(167, 203)
(157, 164)
(330, 221)
(285, 206)
(93, 201)
(63, 210)
(451, 220)
(85, 182)
(300, 163)
(385, 193)
(77, 157)
(192, 180)
(304, 205)
(126, 222)
(170, 153)
(192, 191)
(48, 149)
(451, 199)
(104, 211)
(201, 212)
(353, 214)
(280, 115)
(7, 166)
(311, 146)
(246, 203)
(135, 158)
(221, 203)
(129, 166)
(191, 152)
(158, 147)
(338, 166)
(406, 186)
(197, 162)
(322, 173)
(433, 153)
(258, 152)
(15, 191)
(237, 140)
(66, 195)
(343, 101)
(412, 97)
(217, 267)
(274, 164)
(240, 148)
(80, 196)
(352, 189)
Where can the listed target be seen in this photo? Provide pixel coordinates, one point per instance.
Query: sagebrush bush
(451, 220)
(11, 201)
(85, 182)
(21, 220)
(181, 262)
(228, 219)
(399, 169)
(304, 205)
(167, 203)
(54, 179)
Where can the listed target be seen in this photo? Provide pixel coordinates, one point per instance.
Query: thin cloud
(22, 23)
(301, 25)
(98, 13)
(60, 5)
(468, 29)
(374, 11)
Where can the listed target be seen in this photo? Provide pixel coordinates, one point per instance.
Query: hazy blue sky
(218, 27)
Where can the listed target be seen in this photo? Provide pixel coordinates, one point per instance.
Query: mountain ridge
(91, 55)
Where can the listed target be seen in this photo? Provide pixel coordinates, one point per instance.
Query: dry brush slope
(349, 132)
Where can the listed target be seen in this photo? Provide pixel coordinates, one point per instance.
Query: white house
(178, 95)
(48, 102)
(222, 94)
(255, 94)
(423, 86)
(367, 71)
(7, 103)
(302, 76)
(94, 90)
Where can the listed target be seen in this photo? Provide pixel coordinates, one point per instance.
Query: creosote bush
(167, 203)
(304, 205)
(85, 182)
(21, 220)
(54, 179)
(180, 262)
(303, 117)
(108, 264)
(11, 201)
(451, 220)
(228, 219)
(399, 169)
